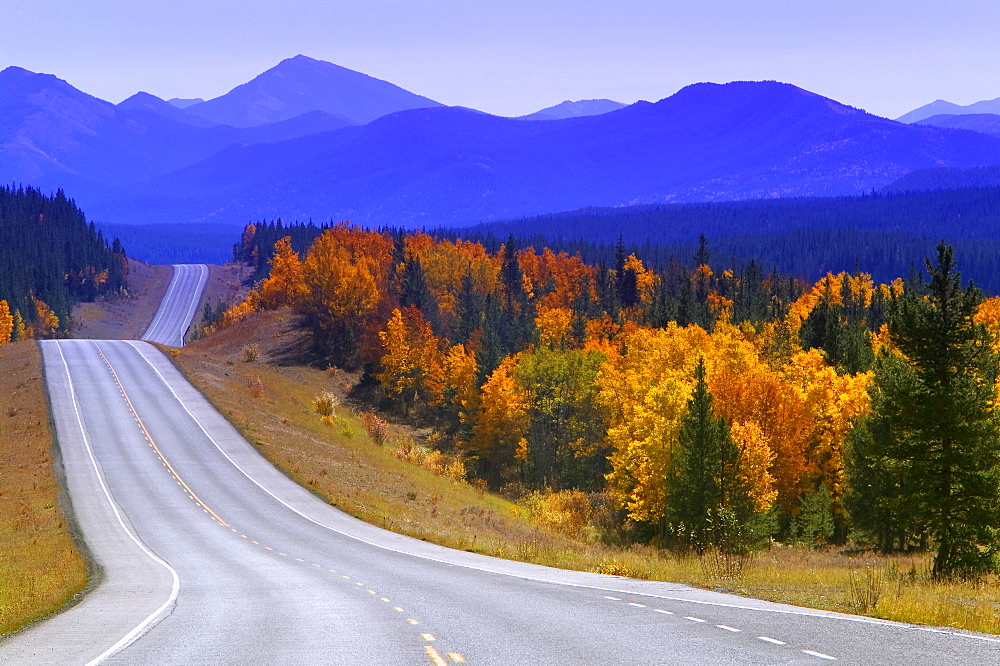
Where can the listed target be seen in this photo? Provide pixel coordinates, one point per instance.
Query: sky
(513, 57)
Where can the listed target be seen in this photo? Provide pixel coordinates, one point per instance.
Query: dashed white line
(728, 628)
(772, 640)
(694, 619)
(632, 603)
(612, 598)
(820, 655)
(665, 612)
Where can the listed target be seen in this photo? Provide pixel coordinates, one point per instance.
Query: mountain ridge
(940, 107)
(450, 166)
(571, 109)
(301, 84)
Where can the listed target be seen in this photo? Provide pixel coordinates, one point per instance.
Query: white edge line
(156, 615)
(779, 611)
(161, 309)
(181, 273)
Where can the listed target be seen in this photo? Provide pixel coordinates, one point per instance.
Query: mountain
(301, 84)
(570, 109)
(446, 166)
(987, 123)
(183, 103)
(940, 107)
(143, 101)
(55, 136)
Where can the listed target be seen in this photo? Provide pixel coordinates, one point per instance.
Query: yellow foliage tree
(412, 368)
(747, 390)
(285, 285)
(343, 291)
(48, 322)
(832, 403)
(553, 326)
(21, 330)
(500, 425)
(645, 389)
(756, 458)
(460, 394)
(6, 323)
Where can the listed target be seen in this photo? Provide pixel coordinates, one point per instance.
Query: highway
(178, 306)
(209, 555)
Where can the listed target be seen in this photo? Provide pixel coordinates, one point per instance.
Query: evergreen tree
(877, 491)
(415, 292)
(945, 431)
(707, 502)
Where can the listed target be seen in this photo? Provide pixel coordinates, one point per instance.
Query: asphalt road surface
(177, 308)
(209, 555)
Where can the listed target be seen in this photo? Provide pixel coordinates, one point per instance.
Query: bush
(251, 353)
(325, 404)
(377, 428)
(255, 384)
(565, 512)
(432, 460)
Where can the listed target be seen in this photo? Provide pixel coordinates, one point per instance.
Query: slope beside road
(211, 555)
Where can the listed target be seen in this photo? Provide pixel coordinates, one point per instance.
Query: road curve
(178, 306)
(211, 555)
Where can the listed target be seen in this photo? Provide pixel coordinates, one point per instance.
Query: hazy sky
(512, 57)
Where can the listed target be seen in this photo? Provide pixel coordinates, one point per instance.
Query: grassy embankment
(40, 567)
(270, 400)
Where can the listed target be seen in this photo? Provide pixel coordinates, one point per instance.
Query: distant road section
(179, 304)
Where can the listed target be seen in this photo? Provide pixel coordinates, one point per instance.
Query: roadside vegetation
(396, 479)
(40, 566)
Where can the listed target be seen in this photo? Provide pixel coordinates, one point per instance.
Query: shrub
(565, 512)
(325, 404)
(377, 428)
(250, 353)
(255, 384)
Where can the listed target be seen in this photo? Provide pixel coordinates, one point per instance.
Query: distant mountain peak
(575, 109)
(301, 84)
(144, 101)
(942, 107)
(184, 102)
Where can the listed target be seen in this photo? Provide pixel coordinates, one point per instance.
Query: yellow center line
(435, 656)
(149, 437)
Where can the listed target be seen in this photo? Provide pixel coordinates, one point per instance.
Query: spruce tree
(707, 502)
(876, 495)
(945, 431)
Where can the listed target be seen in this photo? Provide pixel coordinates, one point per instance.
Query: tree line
(700, 408)
(50, 259)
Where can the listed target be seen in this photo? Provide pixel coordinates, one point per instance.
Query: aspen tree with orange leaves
(412, 373)
(6, 323)
(285, 285)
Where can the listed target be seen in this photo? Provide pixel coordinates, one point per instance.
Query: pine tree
(877, 497)
(707, 502)
(946, 433)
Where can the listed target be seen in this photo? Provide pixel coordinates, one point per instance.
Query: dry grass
(345, 466)
(40, 567)
(125, 317)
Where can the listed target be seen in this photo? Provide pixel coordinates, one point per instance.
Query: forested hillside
(882, 234)
(694, 407)
(50, 258)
